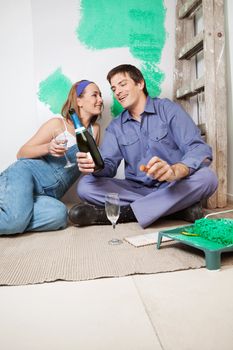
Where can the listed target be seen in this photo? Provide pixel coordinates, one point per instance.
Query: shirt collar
(150, 106)
(149, 109)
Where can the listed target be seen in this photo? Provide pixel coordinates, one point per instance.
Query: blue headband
(81, 86)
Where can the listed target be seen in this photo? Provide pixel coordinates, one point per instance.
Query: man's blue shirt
(165, 131)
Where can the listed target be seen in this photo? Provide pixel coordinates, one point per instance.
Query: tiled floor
(186, 310)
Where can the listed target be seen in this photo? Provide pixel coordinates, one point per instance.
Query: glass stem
(67, 159)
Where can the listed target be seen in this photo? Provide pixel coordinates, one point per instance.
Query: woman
(31, 187)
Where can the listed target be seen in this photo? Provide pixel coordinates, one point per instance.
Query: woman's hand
(56, 148)
(42, 143)
(85, 162)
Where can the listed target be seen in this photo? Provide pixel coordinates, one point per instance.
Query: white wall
(17, 88)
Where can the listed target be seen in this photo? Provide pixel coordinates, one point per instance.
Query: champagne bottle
(85, 141)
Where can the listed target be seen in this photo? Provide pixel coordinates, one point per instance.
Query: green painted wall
(136, 24)
(53, 91)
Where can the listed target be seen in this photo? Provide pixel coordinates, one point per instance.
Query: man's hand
(162, 171)
(85, 162)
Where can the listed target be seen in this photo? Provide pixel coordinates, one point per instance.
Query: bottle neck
(77, 123)
(79, 130)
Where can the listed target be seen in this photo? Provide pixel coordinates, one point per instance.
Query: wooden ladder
(200, 79)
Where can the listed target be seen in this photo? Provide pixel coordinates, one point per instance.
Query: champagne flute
(112, 210)
(61, 139)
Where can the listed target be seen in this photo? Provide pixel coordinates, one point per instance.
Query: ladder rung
(188, 8)
(190, 89)
(192, 48)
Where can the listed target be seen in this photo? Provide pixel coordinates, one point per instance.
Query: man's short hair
(134, 73)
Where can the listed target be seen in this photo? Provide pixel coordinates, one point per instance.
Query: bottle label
(80, 129)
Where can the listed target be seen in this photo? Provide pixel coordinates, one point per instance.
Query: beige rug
(77, 254)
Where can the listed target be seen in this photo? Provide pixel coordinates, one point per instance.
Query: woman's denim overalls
(29, 193)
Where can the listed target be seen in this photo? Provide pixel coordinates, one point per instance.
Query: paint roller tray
(212, 250)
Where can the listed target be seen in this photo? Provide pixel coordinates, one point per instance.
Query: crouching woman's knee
(59, 218)
(61, 222)
(50, 214)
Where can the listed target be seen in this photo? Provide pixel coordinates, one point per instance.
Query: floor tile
(190, 309)
(100, 314)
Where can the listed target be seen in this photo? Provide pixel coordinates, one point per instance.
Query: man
(158, 134)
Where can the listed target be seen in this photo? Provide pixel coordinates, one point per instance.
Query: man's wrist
(180, 170)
